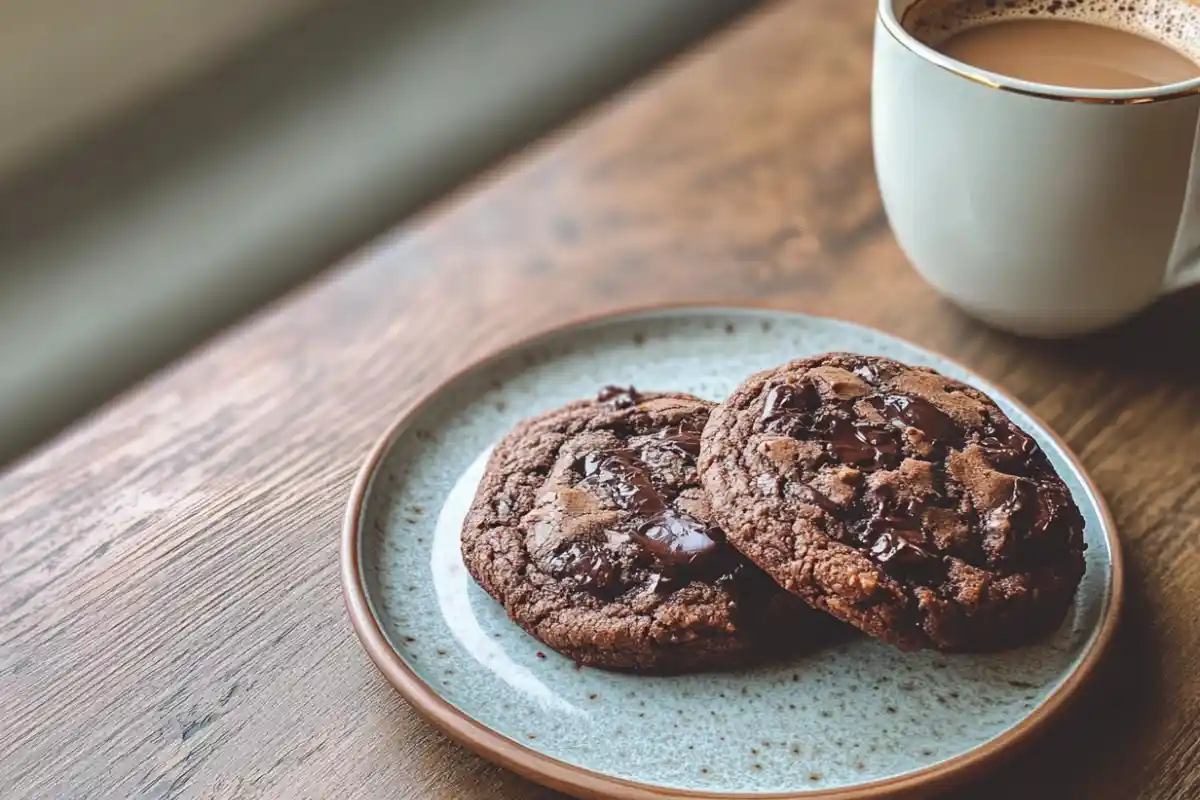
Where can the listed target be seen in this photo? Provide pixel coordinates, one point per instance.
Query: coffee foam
(1173, 23)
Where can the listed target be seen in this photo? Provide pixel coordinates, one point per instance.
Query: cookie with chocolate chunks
(591, 528)
(897, 500)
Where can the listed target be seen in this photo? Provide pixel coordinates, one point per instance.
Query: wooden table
(170, 616)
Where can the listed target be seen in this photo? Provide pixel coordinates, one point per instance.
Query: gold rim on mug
(585, 783)
(895, 28)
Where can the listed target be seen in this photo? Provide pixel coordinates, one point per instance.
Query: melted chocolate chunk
(893, 533)
(898, 554)
(620, 474)
(618, 397)
(1035, 507)
(857, 442)
(682, 439)
(589, 565)
(787, 408)
(917, 413)
(1054, 505)
(1016, 513)
(1022, 499)
(1008, 448)
(792, 410)
(670, 536)
(676, 539)
(886, 513)
(787, 400)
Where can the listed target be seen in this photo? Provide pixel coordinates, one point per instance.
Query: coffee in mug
(1095, 45)
(1039, 160)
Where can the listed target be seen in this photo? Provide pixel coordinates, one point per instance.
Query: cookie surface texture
(898, 500)
(591, 528)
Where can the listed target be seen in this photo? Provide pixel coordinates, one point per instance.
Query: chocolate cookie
(590, 527)
(896, 499)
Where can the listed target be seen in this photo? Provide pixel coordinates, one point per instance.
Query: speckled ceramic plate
(857, 720)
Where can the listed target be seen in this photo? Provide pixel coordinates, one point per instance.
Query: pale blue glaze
(857, 712)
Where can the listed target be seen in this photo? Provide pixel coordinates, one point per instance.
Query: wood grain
(170, 616)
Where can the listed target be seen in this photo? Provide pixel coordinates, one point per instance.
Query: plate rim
(582, 782)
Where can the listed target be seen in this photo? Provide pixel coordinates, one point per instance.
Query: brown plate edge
(584, 783)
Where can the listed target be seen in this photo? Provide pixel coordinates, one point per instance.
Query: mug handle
(1184, 267)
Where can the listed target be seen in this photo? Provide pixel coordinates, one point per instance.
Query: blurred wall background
(68, 64)
(167, 166)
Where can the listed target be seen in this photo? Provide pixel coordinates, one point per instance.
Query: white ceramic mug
(1042, 210)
